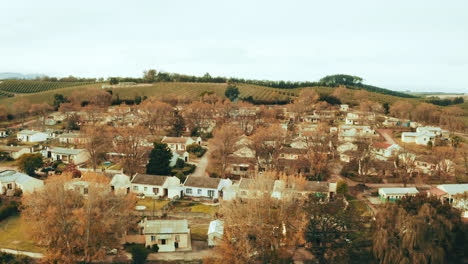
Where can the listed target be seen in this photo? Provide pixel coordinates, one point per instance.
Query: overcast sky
(398, 44)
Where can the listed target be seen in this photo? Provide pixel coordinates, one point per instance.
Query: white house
(419, 138)
(322, 189)
(344, 107)
(15, 151)
(455, 194)
(435, 130)
(345, 149)
(66, 155)
(453, 189)
(120, 184)
(215, 232)
(156, 186)
(384, 151)
(180, 143)
(392, 194)
(355, 118)
(32, 136)
(350, 133)
(169, 235)
(183, 155)
(11, 180)
(71, 138)
(205, 187)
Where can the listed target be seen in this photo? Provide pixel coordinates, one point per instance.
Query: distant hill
(18, 76)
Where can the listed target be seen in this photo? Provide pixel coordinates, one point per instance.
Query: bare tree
(266, 142)
(21, 108)
(224, 143)
(402, 109)
(319, 145)
(129, 144)
(405, 167)
(157, 116)
(261, 229)
(76, 228)
(97, 143)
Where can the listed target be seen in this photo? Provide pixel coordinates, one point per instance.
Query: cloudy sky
(419, 45)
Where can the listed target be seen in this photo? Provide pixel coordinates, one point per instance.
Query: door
(176, 244)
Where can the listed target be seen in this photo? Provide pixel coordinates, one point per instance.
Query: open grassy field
(13, 235)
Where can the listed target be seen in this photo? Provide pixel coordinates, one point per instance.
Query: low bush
(8, 210)
(196, 150)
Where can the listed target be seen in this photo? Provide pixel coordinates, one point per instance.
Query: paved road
(200, 171)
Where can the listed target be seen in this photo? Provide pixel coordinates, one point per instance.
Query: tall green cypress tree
(159, 160)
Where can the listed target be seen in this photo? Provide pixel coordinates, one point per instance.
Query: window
(199, 191)
(177, 237)
(211, 193)
(153, 238)
(135, 188)
(9, 186)
(85, 191)
(162, 241)
(145, 188)
(188, 191)
(155, 190)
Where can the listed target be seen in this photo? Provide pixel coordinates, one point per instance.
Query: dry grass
(13, 235)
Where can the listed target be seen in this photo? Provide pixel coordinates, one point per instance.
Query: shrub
(139, 253)
(155, 248)
(196, 149)
(8, 210)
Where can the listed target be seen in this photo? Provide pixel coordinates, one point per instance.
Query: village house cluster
(319, 144)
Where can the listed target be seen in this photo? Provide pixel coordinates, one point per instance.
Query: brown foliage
(74, 227)
(263, 229)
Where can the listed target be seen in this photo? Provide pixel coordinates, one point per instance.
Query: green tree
(159, 160)
(150, 75)
(232, 92)
(139, 254)
(419, 229)
(178, 125)
(29, 163)
(113, 80)
(341, 79)
(336, 232)
(58, 100)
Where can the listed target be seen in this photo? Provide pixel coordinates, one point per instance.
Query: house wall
(214, 239)
(149, 190)
(30, 186)
(33, 138)
(4, 187)
(184, 241)
(200, 192)
(16, 155)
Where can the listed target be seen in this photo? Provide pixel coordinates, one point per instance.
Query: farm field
(191, 90)
(23, 86)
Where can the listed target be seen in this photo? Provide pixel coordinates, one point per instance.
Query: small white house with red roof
(384, 150)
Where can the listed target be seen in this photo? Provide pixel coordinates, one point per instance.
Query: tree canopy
(159, 160)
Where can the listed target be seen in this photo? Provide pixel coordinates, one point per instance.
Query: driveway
(387, 134)
(200, 171)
